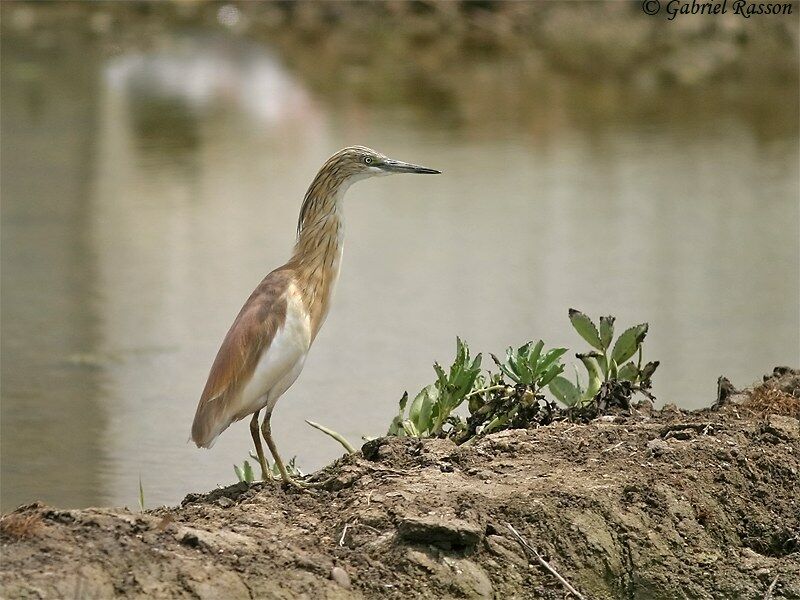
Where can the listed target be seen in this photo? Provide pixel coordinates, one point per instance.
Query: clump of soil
(646, 504)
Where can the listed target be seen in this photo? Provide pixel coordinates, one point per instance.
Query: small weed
(141, 495)
(493, 402)
(433, 406)
(608, 367)
(245, 472)
(527, 366)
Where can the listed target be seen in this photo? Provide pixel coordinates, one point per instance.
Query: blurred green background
(154, 156)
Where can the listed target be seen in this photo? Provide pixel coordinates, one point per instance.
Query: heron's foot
(267, 476)
(307, 485)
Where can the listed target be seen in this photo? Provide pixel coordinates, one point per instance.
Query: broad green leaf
(238, 471)
(416, 405)
(585, 328)
(551, 357)
(628, 343)
(612, 370)
(517, 366)
(566, 392)
(549, 375)
(510, 374)
(248, 472)
(425, 422)
(537, 352)
(395, 427)
(606, 331)
(628, 372)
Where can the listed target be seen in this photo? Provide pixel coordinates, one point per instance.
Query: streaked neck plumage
(317, 257)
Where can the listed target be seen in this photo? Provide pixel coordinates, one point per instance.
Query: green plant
(434, 404)
(605, 363)
(245, 472)
(529, 367)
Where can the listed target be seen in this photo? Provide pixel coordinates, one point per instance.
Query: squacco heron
(265, 349)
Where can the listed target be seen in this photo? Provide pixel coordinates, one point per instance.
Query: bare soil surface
(643, 504)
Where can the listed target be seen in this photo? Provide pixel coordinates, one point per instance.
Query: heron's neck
(317, 255)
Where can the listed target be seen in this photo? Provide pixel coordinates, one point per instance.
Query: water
(147, 191)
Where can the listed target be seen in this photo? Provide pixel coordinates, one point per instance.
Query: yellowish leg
(266, 474)
(267, 431)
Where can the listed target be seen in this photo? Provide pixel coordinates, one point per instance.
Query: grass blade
(335, 435)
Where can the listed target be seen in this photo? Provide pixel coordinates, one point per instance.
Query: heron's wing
(250, 336)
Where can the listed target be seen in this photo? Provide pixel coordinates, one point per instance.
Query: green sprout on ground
(433, 406)
(607, 366)
(501, 405)
(245, 472)
(496, 400)
(529, 367)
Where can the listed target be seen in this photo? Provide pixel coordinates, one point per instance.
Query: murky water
(146, 192)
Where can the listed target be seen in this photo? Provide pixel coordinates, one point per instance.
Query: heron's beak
(397, 166)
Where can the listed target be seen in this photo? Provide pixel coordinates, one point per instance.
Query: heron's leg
(266, 474)
(267, 431)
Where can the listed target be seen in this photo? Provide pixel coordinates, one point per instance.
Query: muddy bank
(649, 504)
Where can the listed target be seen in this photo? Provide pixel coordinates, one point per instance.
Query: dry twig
(770, 589)
(344, 533)
(544, 563)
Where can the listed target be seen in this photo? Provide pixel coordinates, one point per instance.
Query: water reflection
(53, 413)
(146, 193)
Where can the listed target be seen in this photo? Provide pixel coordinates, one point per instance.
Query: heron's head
(358, 162)
(345, 168)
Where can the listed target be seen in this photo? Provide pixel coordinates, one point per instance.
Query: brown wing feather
(252, 332)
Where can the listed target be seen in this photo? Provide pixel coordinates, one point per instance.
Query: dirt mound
(650, 505)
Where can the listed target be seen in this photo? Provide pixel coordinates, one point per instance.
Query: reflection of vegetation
(525, 66)
(164, 122)
(463, 63)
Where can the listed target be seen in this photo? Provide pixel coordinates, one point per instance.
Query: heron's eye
(368, 160)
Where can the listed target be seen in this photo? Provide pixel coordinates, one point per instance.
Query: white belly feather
(281, 363)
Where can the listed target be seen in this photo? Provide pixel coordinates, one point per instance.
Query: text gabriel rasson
(743, 8)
